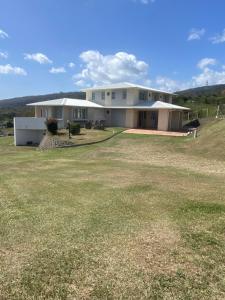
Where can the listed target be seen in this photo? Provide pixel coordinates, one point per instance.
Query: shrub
(99, 125)
(9, 124)
(88, 125)
(52, 126)
(102, 125)
(74, 128)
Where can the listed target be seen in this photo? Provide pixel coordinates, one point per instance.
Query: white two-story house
(120, 105)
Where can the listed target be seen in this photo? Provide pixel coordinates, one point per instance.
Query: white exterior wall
(25, 136)
(131, 118)
(95, 114)
(132, 97)
(163, 119)
(28, 130)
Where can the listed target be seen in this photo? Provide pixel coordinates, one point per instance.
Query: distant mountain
(211, 90)
(19, 102)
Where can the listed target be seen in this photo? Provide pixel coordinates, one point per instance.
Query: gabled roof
(67, 102)
(124, 85)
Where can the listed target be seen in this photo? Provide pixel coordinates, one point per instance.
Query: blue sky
(64, 45)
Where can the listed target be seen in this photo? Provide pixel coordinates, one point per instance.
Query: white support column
(163, 120)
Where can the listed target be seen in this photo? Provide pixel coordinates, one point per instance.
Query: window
(124, 94)
(103, 95)
(167, 98)
(113, 95)
(46, 112)
(156, 96)
(143, 95)
(57, 112)
(108, 93)
(80, 113)
(93, 96)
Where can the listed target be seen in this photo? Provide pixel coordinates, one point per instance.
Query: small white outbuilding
(28, 131)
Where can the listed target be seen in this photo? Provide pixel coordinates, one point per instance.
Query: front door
(153, 120)
(142, 119)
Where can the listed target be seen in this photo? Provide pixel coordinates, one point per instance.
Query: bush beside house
(52, 126)
(74, 128)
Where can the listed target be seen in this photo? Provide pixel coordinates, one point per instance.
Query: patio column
(163, 119)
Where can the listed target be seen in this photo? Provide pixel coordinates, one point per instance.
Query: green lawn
(136, 217)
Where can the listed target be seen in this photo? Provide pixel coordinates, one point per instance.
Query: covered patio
(160, 116)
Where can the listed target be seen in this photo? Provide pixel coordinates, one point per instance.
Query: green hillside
(202, 100)
(211, 140)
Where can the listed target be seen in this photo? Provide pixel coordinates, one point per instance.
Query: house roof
(151, 105)
(67, 102)
(147, 105)
(124, 85)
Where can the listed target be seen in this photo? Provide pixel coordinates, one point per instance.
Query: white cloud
(104, 69)
(71, 65)
(209, 76)
(38, 57)
(218, 38)
(8, 69)
(196, 34)
(170, 85)
(205, 62)
(4, 55)
(3, 34)
(57, 70)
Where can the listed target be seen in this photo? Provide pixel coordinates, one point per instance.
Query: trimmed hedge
(75, 128)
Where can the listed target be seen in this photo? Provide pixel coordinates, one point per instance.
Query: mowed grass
(136, 217)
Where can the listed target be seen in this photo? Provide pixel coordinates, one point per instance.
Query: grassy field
(136, 217)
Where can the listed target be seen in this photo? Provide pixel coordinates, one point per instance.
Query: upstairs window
(124, 96)
(93, 96)
(103, 95)
(143, 95)
(167, 98)
(156, 96)
(113, 95)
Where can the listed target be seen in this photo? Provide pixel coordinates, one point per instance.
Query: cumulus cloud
(38, 57)
(218, 38)
(8, 69)
(3, 34)
(57, 70)
(196, 34)
(4, 55)
(209, 76)
(105, 69)
(71, 65)
(170, 85)
(205, 62)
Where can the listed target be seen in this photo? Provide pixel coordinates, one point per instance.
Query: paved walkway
(155, 132)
